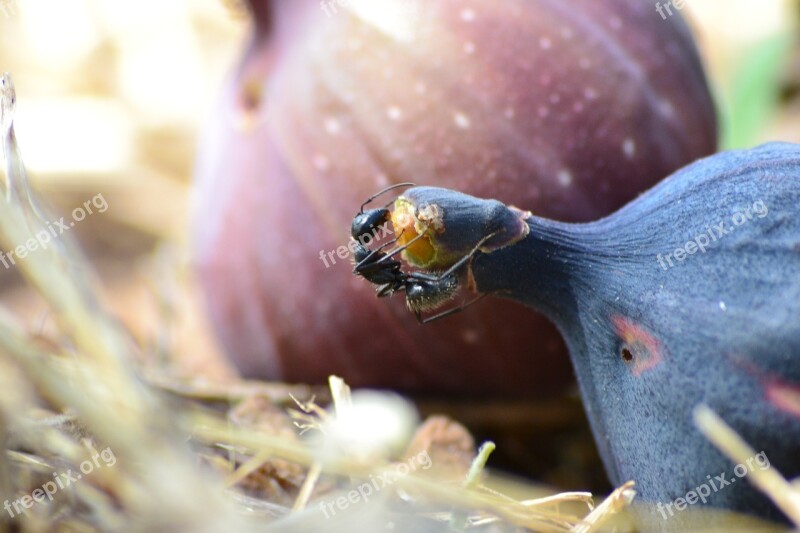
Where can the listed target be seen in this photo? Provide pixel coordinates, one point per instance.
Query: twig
(459, 520)
(613, 504)
(769, 481)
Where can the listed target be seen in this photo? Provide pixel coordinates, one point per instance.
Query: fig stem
(539, 270)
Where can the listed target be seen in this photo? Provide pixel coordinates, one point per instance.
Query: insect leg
(387, 189)
(449, 311)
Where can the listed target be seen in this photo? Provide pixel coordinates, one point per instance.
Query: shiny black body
(367, 223)
(424, 291)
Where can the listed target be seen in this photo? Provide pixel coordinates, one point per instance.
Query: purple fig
(688, 295)
(568, 111)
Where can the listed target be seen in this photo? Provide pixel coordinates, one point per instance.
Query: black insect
(366, 223)
(424, 292)
(379, 267)
(427, 292)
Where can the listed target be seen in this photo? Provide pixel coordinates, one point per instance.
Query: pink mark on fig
(640, 349)
(784, 396)
(777, 392)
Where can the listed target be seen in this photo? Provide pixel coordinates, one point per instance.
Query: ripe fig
(569, 111)
(688, 295)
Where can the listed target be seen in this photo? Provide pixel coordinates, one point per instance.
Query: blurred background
(112, 96)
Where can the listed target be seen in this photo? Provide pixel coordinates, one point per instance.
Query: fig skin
(650, 341)
(566, 111)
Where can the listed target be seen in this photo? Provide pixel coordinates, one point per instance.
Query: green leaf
(752, 96)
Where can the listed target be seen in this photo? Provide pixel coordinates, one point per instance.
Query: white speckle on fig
(629, 147)
(462, 120)
(469, 47)
(467, 15)
(394, 113)
(381, 180)
(666, 108)
(545, 43)
(332, 126)
(565, 178)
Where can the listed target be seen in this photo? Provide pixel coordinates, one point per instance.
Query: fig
(688, 295)
(569, 111)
